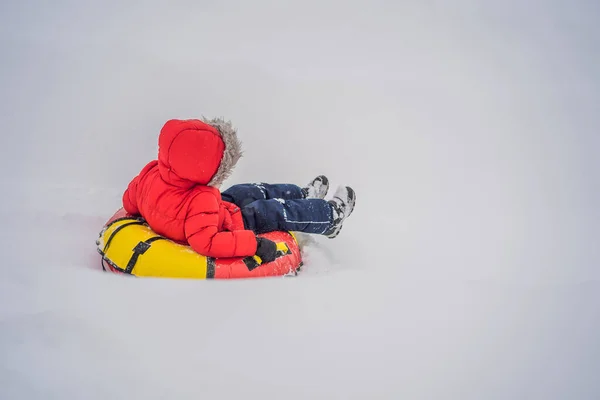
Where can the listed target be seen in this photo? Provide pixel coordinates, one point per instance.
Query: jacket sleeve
(202, 231)
(130, 203)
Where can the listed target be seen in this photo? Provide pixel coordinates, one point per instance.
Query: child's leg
(246, 193)
(305, 215)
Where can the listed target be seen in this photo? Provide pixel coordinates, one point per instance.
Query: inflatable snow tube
(127, 245)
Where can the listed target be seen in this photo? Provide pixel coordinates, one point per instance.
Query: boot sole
(324, 183)
(352, 203)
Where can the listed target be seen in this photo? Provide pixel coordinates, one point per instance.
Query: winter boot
(342, 205)
(317, 188)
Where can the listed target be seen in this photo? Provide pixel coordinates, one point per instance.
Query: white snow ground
(469, 130)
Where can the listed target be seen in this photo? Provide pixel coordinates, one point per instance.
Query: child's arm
(202, 231)
(130, 195)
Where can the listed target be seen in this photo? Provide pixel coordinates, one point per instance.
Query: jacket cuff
(247, 243)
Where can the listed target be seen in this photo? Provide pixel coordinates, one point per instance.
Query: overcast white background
(469, 130)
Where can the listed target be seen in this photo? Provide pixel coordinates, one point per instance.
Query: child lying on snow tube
(178, 196)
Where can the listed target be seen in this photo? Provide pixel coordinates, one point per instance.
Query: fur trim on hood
(232, 153)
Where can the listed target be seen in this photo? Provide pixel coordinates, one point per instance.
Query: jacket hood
(193, 151)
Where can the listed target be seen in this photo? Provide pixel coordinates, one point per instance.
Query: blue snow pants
(279, 207)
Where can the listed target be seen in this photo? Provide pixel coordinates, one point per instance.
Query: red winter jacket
(177, 194)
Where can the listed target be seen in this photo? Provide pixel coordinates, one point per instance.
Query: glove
(266, 249)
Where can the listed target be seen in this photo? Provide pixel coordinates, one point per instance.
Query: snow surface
(469, 130)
